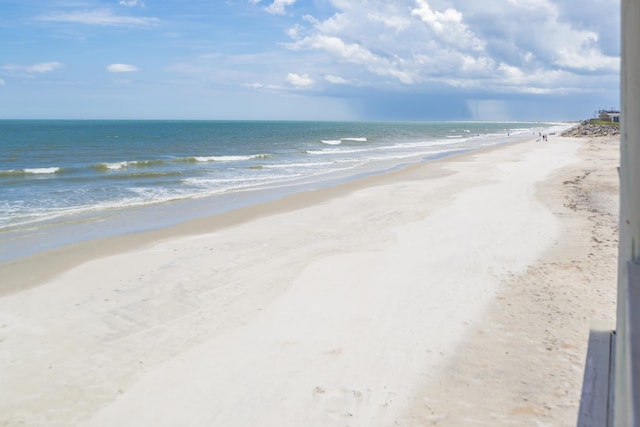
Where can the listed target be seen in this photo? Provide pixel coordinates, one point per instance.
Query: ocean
(63, 181)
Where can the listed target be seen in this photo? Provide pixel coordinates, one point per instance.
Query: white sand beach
(456, 292)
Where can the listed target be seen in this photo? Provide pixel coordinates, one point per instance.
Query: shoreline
(343, 305)
(19, 275)
(88, 223)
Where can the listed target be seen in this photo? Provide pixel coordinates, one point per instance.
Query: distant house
(609, 116)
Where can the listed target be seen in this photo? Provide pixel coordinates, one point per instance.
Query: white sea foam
(330, 151)
(297, 165)
(42, 171)
(230, 158)
(339, 141)
(116, 166)
(218, 181)
(45, 213)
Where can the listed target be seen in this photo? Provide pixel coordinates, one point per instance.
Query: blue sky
(309, 59)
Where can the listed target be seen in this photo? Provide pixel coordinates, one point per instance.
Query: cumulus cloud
(354, 53)
(300, 81)
(528, 46)
(448, 25)
(122, 68)
(101, 17)
(278, 7)
(397, 23)
(294, 32)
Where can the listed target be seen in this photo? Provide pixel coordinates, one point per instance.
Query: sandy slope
(421, 297)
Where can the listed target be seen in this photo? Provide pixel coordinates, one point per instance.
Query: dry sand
(523, 364)
(458, 292)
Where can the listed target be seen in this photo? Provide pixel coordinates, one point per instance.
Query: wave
(241, 182)
(298, 165)
(122, 166)
(110, 166)
(31, 171)
(42, 171)
(144, 175)
(339, 151)
(226, 158)
(114, 166)
(104, 167)
(339, 141)
(11, 172)
(145, 163)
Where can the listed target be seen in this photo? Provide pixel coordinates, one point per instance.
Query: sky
(309, 59)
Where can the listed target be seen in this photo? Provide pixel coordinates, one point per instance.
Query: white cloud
(2, 82)
(534, 5)
(337, 24)
(43, 67)
(585, 59)
(294, 32)
(354, 53)
(448, 25)
(278, 6)
(122, 68)
(101, 17)
(526, 46)
(131, 3)
(262, 87)
(549, 35)
(577, 49)
(39, 68)
(300, 81)
(397, 23)
(439, 21)
(336, 79)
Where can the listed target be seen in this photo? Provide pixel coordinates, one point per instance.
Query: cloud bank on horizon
(319, 59)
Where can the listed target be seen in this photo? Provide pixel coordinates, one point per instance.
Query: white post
(629, 246)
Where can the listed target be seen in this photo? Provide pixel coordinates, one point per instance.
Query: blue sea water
(63, 181)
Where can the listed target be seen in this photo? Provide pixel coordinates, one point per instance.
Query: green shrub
(603, 122)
